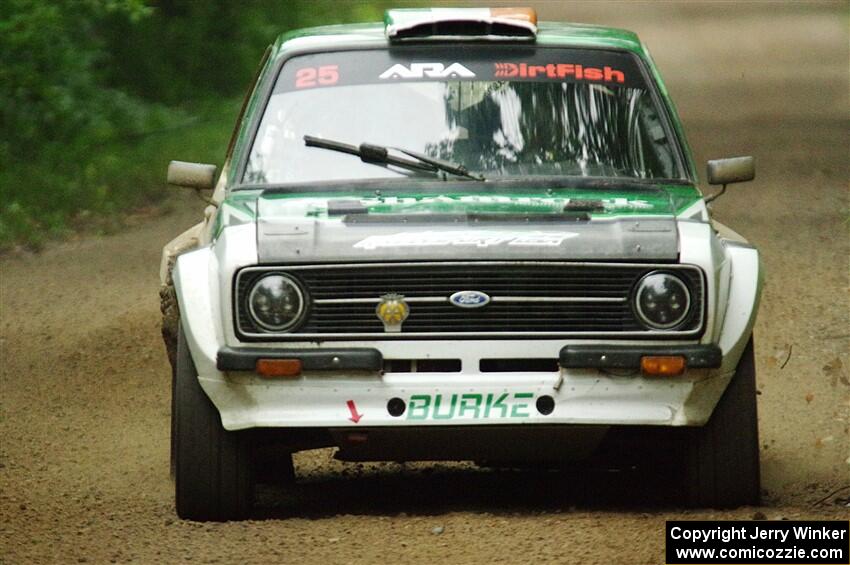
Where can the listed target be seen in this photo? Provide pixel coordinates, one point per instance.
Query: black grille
(530, 281)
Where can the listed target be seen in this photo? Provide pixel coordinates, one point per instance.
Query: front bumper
(371, 360)
(354, 393)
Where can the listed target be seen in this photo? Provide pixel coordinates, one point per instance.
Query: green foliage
(96, 96)
(91, 186)
(49, 80)
(189, 49)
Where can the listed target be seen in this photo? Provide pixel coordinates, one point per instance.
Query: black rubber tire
(173, 458)
(213, 467)
(723, 456)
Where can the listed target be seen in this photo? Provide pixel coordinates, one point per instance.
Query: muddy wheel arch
(186, 241)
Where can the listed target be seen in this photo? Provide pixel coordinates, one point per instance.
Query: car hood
(569, 225)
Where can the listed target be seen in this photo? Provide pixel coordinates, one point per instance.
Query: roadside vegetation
(96, 96)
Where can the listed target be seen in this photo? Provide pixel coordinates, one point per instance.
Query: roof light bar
(511, 24)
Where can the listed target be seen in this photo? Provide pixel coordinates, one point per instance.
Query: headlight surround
(276, 302)
(662, 301)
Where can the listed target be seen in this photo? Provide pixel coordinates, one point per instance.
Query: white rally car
(459, 235)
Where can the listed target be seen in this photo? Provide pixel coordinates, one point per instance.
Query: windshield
(498, 112)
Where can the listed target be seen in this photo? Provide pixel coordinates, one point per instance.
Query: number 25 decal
(316, 76)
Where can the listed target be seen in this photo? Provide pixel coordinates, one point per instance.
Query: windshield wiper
(380, 155)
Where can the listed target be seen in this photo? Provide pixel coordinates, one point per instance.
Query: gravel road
(84, 382)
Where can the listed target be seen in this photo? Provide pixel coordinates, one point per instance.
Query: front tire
(213, 469)
(723, 456)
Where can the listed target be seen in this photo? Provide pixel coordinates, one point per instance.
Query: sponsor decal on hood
(451, 227)
(476, 238)
(241, 206)
(596, 204)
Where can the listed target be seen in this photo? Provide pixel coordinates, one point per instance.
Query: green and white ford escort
(459, 235)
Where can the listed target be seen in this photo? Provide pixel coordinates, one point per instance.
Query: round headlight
(276, 302)
(662, 301)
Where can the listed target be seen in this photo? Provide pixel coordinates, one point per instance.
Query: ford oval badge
(469, 299)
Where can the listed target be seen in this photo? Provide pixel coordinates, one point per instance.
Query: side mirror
(727, 171)
(734, 169)
(192, 175)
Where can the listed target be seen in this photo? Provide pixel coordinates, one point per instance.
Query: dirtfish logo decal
(579, 72)
(476, 238)
(429, 70)
(469, 406)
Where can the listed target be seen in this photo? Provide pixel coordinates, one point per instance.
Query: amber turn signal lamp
(279, 367)
(662, 365)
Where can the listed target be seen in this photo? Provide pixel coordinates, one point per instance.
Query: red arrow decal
(355, 417)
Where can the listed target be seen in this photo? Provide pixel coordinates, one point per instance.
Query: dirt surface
(85, 382)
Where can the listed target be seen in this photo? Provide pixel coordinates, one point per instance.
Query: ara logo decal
(469, 299)
(429, 70)
(469, 406)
